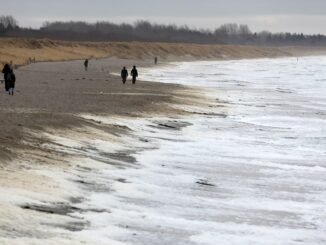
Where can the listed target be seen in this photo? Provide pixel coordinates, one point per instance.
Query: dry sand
(20, 50)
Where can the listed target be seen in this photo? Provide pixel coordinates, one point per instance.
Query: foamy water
(257, 176)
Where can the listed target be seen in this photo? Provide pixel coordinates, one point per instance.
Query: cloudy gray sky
(308, 16)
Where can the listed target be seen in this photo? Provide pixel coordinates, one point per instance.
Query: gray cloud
(275, 15)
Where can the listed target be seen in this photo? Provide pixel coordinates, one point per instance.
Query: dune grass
(19, 50)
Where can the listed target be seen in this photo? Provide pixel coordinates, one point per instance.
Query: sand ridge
(20, 50)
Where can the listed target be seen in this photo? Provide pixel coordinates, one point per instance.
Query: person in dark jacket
(86, 64)
(134, 74)
(11, 82)
(124, 75)
(6, 71)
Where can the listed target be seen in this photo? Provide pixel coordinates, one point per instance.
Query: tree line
(148, 32)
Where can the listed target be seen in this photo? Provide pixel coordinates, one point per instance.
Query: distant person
(155, 60)
(6, 71)
(86, 64)
(134, 74)
(124, 75)
(11, 82)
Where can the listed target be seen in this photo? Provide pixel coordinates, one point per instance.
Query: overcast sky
(308, 16)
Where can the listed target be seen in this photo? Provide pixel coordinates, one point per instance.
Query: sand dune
(20, 50)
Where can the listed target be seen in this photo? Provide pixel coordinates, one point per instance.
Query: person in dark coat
(124, 75)
(11, 82)
(134, 74)
(86, 64)
(6, 71)
(155, 60)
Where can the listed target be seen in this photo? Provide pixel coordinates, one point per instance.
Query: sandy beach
(51, 99)
(50, 94)
(43, 177)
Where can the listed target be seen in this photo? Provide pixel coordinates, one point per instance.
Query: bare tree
(244, 30)
(7, 23)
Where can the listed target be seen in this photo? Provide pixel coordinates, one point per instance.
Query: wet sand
(41, 183)
(51, 94)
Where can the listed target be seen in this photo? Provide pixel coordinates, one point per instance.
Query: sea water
(254, 176)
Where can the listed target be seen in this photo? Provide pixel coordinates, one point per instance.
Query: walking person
(86, 64)
(6, 71)
(155, 60)
(124, 75)
(11, 82)
(134, 74)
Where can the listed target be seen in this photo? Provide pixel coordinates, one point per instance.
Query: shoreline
(46, 168)
(44, 178)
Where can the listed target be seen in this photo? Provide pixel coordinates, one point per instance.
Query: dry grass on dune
(20, 50)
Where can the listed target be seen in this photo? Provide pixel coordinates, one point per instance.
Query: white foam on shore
(255, 177)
